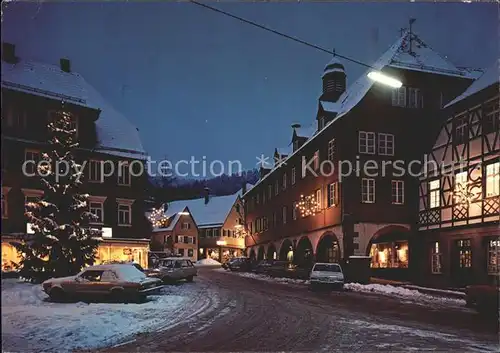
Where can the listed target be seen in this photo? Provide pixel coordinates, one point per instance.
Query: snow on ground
(401, 292)
(207, 262)
(30, 322)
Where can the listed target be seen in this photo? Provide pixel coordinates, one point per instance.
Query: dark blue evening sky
(198, 83)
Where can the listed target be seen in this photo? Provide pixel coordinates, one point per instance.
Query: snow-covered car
(174, 269)
(115, 281)
(326, 274)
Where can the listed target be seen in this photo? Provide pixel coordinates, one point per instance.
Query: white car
(326, 274)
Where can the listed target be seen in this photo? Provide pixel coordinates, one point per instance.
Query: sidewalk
(456, 294)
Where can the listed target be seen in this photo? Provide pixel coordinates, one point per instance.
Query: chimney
(207, 195)
(9, 53)
(65, 65)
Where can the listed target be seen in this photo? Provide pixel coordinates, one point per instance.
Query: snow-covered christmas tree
(62, 241)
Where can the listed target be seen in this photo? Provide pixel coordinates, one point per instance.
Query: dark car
(239, 264)
(263, 266)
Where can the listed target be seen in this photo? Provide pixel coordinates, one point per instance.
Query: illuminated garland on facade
(465, 194)
(157, 218)
(308, 206)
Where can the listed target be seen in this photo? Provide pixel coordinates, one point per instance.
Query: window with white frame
(366, 142)
(294, 211)
(434, 193)
(317, 195)
(331, 149)
(386, 144)
(180, 238)
(367, 190)
(124, 214)
(293, 175)
(123, 174)
(494, 256)
(399, 97)
(415, 98)
(436, 258)
(95, 171)
(284, 211)
(269, 191)
(460, 183)
(493, 179)
(186, 225)
(31, 158)
(276, 187)
(16, 118)
(332, 194)
(208, 233)
(284, 181)
(316, 160)
(398, 192)
(97, 209)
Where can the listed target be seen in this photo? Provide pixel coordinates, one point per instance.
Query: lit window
(316, 160)
(32, 157)
(124, 215)
(186, 225)
(386, 144)
(367, 142)
(460, 184)
(190, 252)
(464, 253)
(331, 149)
(367, 190)
(399, 97)
(434, 193)
(436, 258)
(332, 195)
(317, 195)
(95, 171)
(123, 174)
(493, 179)
(398, 192)
(97, 209)
(494, 257)
(284, 214)
(284, 181)
(293, 175)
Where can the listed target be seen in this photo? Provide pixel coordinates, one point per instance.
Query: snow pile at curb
(207, 262)
(390, 290)
(269, 279)
(30, 320)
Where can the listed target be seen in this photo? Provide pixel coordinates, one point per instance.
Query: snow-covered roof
(305, 131)
(213, 213)
(115, 134)
(490, 77)
(423, 59)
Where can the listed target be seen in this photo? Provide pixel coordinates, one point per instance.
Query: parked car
(239, 264)
(173, 269)
(327, 275)
(115, 281)
(263, 266)
(484, 298)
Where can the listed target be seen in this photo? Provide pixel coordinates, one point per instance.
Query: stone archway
(328, 249)
(286, 250)
(388, 248)
(271, 252)
(261, 253)
(304, 254)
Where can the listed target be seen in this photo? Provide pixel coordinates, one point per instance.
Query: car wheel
(57, 294)
(117, 295)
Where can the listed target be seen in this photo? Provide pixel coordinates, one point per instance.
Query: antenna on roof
(411, 33)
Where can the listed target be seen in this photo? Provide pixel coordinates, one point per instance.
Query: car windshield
(327, 268)
(167, 263)
(130, 273)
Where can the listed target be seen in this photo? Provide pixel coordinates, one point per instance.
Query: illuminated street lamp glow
(384, 79)
(221, 242)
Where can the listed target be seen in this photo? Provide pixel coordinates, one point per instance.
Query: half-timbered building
(330, 197)
(459, 234)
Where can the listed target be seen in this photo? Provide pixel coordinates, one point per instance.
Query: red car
(483, 297)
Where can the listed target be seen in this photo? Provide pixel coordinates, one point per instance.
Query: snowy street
(256, 315)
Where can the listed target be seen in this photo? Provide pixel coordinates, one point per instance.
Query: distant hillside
(171, 189)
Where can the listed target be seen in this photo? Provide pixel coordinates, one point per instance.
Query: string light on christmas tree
(157, 218)
(308, 205)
